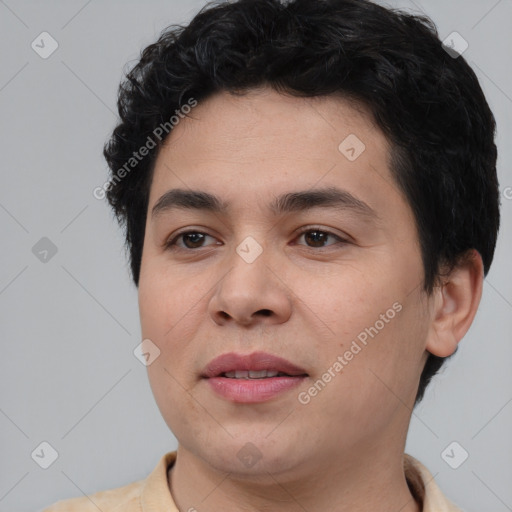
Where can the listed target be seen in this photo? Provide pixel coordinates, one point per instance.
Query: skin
(301, 299)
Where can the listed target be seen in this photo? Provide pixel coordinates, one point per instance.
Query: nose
(251, 293)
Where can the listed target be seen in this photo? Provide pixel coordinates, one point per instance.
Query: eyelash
(171, 244)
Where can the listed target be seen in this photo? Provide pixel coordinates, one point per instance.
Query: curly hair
(426, 100)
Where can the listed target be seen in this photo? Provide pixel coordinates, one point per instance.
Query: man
(310, 199)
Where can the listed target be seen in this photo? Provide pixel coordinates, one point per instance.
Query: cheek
(183, 415)
(375, 327)
(169, 313)
(385, 372)
(167, 303)
(169, 310)
(345, 302)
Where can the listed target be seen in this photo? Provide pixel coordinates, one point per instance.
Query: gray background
(69, 326)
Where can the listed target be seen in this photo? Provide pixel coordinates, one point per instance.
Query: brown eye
(317, 238)
(193, 240)
(190, 240)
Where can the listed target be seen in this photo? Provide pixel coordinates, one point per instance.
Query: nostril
(265, 312)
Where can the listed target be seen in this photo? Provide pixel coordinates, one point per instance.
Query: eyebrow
(290, 202)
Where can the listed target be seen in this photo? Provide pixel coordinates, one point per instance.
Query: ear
(455, 304)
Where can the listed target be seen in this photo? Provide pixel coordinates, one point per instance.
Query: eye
(317, 237)
(191, 240)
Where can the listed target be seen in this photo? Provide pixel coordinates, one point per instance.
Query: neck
(343, 483)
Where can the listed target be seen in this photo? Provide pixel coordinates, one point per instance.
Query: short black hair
(426, 100)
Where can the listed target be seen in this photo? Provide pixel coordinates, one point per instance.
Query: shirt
(152, 494)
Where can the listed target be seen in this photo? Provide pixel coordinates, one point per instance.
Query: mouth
(257, 377)
(254, 374)
(258, 365)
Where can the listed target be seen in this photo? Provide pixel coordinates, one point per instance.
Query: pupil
(315, 235)
(196, 238)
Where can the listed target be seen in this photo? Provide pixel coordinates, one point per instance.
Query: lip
(252, 390)
(255, 361)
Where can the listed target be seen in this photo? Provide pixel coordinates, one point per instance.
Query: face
(310, 254)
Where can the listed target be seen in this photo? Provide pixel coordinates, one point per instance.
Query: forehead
(265, 113)
(261, 142)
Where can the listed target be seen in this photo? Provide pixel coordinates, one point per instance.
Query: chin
(247, 456)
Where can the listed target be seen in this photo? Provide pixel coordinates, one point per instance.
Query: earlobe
(455, 305)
